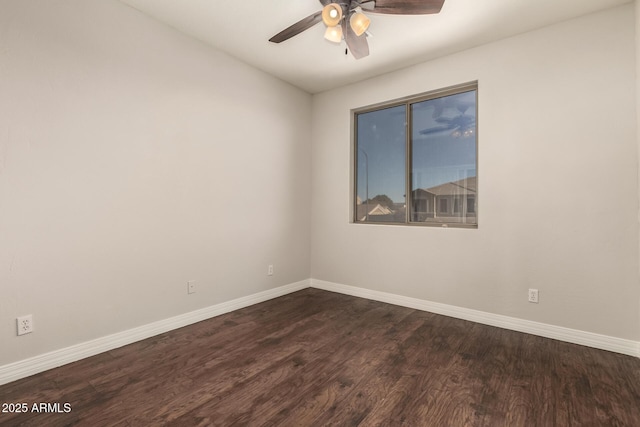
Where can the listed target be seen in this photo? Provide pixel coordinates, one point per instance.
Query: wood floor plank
(374, 380)
(316, 358)
(328, 350)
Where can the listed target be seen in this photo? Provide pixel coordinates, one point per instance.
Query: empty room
(303, 212)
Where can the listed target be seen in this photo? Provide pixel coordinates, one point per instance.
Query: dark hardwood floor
(320, 358)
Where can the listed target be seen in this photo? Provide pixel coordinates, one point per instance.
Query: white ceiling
(243, 28)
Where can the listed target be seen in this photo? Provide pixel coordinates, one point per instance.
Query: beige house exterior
(377, 210)
(448, 202)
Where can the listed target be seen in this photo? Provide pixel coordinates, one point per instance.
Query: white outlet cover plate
(24, 324)
(191, 287)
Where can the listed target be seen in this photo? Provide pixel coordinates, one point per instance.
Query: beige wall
(637, 7)
(558, 183)
(133, 159)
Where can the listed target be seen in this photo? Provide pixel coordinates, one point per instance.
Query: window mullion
(408, 163)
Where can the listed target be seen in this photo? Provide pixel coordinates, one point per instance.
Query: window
(416, 160)
(443, 205)
(471, 204)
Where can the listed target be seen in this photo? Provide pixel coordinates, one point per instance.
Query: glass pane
(381, 165)
(443, 160)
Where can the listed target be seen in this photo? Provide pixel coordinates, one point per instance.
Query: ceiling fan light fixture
(359, 23)
(333, 34)
(332, 14)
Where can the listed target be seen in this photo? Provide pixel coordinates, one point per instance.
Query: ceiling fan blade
(297, 28)
(357, 44)
(325, 2)
(430, 131)
(408, 7)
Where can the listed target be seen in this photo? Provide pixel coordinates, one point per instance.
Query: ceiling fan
(344, 19)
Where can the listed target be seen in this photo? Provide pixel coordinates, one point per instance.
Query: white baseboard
(43, 362)
(24, 368)
(589, 339)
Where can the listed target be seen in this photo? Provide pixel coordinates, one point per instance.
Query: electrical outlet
(533, 295)
(270, 270)
(25, 324)
(191, 287)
